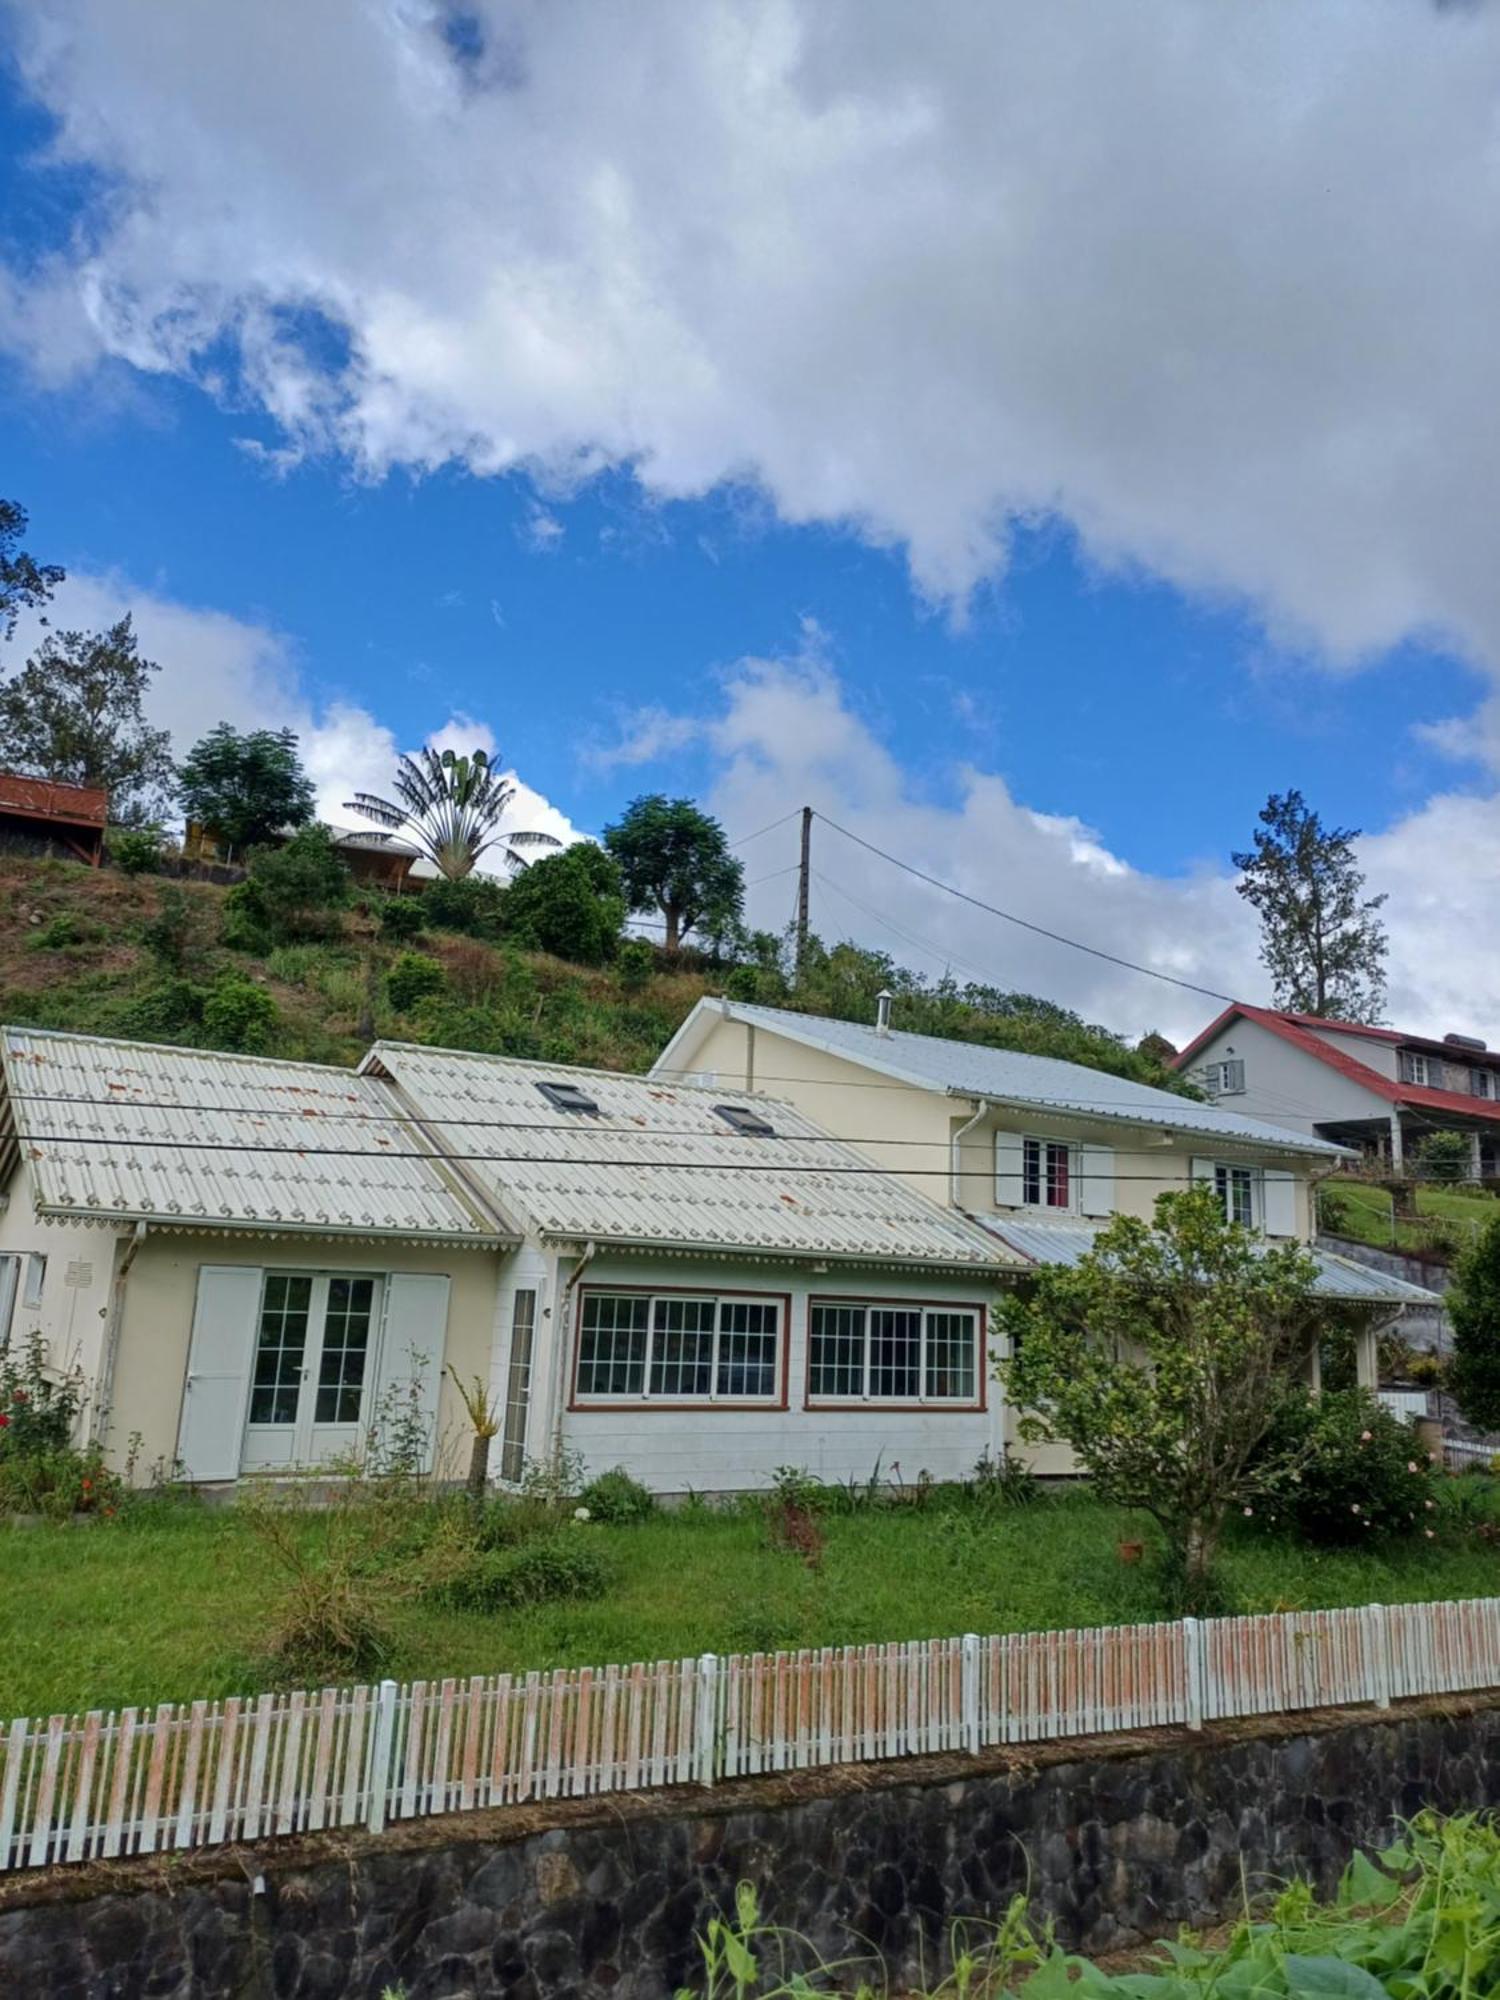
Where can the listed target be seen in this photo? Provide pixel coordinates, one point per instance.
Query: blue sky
(1117, 662)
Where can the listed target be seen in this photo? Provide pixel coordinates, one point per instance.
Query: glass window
(679, 1348)
(346, 1349)
(906, 1354)
(1235, 1187)
(280, 1348)
(36, 1280)
(518, 1386)
(1046, 1173)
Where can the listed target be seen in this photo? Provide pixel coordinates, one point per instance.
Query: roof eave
(1318, 1149)
(945, 1261)
(206, 1225)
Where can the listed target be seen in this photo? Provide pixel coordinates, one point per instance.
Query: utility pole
(804, 878)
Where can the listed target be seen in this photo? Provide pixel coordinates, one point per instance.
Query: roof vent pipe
(883, 1011)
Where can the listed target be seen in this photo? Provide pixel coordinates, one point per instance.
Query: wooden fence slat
(15, 1757)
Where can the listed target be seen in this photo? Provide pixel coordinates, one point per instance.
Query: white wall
(74, 1312)
(1287, 1085)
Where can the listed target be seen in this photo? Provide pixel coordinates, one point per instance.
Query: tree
(1322, 940)
(1473, 1302)
(675, 859)
(571, 904)
(291, 892)
(451, 808)
(73, 713)
(25, 584)
(245, 788)
(1164, 1357)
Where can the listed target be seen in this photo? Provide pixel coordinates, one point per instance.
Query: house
(1036, 1151)
(1378, 1091)
(374, 859)
(248, 1259)
(40, 814)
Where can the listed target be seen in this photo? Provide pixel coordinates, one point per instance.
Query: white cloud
(219, 668)
(1216, 285)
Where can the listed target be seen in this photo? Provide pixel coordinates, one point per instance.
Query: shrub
(402, 918)
(571, 904)
(60, 1483)
(239, 1015)
(1355, 1471)
(168, 935)
(473, 904)
(1446, 1156)
(411, 979)
(1474, 1309)
(65, 930)
(293, 891)
(617, 1498)
(136, 850)
(635, 964)
(329, 1627)
(170, 1007)
(567, 1564)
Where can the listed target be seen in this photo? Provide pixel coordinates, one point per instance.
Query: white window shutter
(1203, 1170)
(1280, 1202)
(1008, 1150)
(220, 1357)
(413, 1340)
(1096, 1168)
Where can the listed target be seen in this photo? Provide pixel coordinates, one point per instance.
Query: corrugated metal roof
(139, 1132)
(1066, 1242)
(658, 1167)
(1005, 1076)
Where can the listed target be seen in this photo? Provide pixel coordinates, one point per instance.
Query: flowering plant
(38, 1408)
(1358, 1471)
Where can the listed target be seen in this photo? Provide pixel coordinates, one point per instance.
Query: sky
(1027, 435)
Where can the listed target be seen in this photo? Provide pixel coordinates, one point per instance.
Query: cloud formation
(1215, 285)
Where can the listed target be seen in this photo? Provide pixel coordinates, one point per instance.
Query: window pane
(612, 1348)
(279, 1350)
(895, 1352)
(836, 1351)
(1057, 1177)
(518, 1386)
(749, 1334)
(1235, 1188)
(1031, 1172)
(682, 1352)
(950, 1355)
(346, 1348)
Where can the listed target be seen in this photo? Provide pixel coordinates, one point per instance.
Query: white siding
(1288, 1086)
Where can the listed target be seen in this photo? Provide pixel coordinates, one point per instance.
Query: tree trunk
(479, 1471)
(1200, 1546)
(674, 935)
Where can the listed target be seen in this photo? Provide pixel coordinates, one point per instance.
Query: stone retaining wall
(1117, 1843)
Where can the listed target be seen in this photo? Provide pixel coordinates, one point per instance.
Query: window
(280, 1348)
(568, 1097)
(518, 1386)
(1224, 1079)
(10, 1281)
(892, 1353)
(1047, 1174)
(36, 1278)
(678, 1348)
(1235, 1187)
(749, 1124)
(1479, 1082)
(1414, 1067)
(346, 1349)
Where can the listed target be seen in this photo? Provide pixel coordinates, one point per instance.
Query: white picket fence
(198, 1774)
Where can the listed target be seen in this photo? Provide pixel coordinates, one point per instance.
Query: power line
(746, 838)
(1039, 930)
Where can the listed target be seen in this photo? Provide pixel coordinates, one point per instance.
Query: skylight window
(749, 1124)
(568, 1097)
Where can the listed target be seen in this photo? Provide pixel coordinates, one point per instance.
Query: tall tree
(1473, 1302)
(1322, 940)
(245, 787)
(1164, 1357)
(675, 859)
(451, 807)
(74, 713)
(25, 584)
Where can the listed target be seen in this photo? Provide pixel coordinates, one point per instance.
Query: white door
(312, 1377)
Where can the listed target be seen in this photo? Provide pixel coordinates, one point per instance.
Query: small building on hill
(42, 816)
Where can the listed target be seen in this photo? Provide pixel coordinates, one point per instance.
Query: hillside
(101, 952)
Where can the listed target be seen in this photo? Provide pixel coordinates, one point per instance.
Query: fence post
(1380, 1652)
(380, 1756)
(1192, 1640)
(970, 1682)
(708, 1718)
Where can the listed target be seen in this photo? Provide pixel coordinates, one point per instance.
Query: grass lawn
(177, 1602)
(1363, 1213)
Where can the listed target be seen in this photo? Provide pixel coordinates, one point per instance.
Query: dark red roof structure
(74, 816)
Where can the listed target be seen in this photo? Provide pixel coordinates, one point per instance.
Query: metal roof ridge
(349, 1075)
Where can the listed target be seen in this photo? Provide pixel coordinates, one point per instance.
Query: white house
(248, 1258)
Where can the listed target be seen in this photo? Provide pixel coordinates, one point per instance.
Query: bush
(472, 904)
(568, 1564)
(635, 965)
(402, 918)
(60, 1483)
(571, 904)
(1446, 1156)
(168, 935)
(617, 1498)
(239, 1015)
(293, 891)
(411, 979)
(64, 931)
(1356, 1470)
(136, 850)
(38, 1409)
(169, 1008)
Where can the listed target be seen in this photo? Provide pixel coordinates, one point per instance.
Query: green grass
(1362, 1212)
(178, 1600)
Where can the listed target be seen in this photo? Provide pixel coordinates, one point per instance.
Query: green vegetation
(245, 788)
(1446, 1221)
(1474, 1309)
(173, 1599)
(1419, 1921)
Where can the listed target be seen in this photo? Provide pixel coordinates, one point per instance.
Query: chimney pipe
(883, 1011)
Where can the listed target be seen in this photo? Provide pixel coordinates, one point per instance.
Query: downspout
(562, 1341)
(112, 1334)
(955, 1152)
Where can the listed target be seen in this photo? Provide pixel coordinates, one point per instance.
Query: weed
(617, 1498)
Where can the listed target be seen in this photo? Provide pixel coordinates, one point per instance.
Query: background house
(1377, 1090)
(40, 816)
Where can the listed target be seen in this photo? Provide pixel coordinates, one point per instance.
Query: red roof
(1293, 1028)
(40, 798)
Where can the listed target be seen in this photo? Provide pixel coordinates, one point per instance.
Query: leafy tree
(239, 1015)
(24, 582)
(411, 979)
(246, 788)
(1164, 1357)
(1446, 1156)
(675, 859)
(1322, 940)
(571, 904)
(291, 892)
(451, 807)
(474, 905)
(73, 713)
(1473, 1302)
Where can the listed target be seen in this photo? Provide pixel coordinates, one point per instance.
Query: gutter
(561, 1321)
(1315, 1149)
(112, 1333)
(955, 1152)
